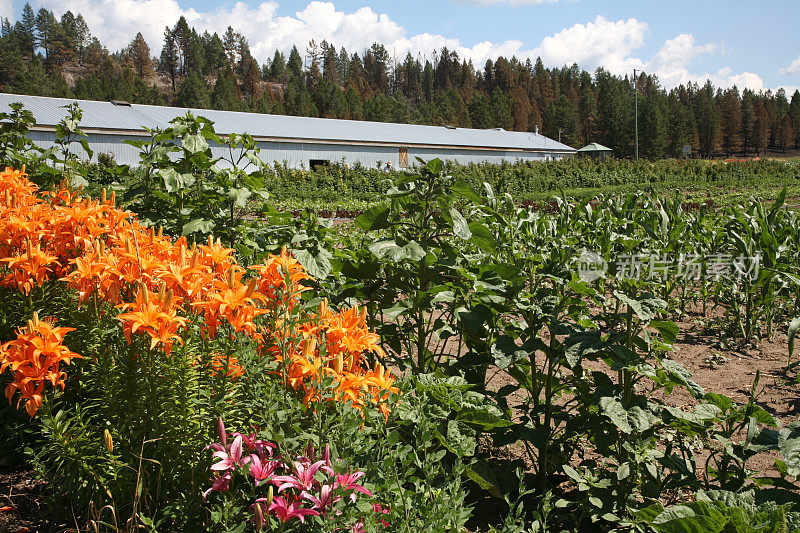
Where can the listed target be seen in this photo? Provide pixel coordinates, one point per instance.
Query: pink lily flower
(252, 442)
(220, 484)
(286, 511)
(230, 459)
(304, 481)
(324, 500)
(261, 471)
(348, 482)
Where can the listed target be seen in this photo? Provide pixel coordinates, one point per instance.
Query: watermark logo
(591, 266)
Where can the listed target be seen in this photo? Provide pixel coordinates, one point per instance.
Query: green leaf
(669, 330)
(239, 196)
(194, 143)
(682, 376)
(373, 219)
(482, 237)
(198, 225)
(646, 308)
(435, 166)
(623, 471)
(388, 250)
(794, 327)
(318, 266)
(482, 475)
(627, 421)
(460, 226)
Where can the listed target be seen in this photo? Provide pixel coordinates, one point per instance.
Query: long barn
(298, 142)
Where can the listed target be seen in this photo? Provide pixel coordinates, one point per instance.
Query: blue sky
(730, 42)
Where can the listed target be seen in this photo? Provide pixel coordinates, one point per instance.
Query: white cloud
(6, 9)
(792, 68)
(598, 43)
(601, 43)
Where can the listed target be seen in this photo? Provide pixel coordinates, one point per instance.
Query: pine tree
(251, 79)
(30, 38)
(139, 52)
(761, 129)
(226, 94)
(731, 115)
(193, 93)
(277, 68)
(794, 117)
(708, 120)
(45, 29)
(83, 37)
(169, 56)
(295, 67)
(214, 53)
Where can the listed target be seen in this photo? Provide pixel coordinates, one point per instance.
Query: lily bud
(221, 433)
(103, 196)
(323, 307)
(326, 454)
(251, 288)
(182, 254)
(259, 517)
(338, 363)
(160, 231)
(362, 317)
(210, 241)
(145, 293)
(270, 496)
(231, 276)
(113, 199)
(309, 347)
(109, 440)
(167, 301)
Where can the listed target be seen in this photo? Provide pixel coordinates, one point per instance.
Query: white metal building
(293, 141)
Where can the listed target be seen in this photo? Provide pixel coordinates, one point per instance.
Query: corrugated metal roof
(595, 147)
(107, 116)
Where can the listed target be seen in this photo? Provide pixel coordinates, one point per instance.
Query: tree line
(43, 55)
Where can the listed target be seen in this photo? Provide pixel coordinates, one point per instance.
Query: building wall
(298, 154)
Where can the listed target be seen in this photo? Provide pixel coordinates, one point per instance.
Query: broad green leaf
(239, 196)
(194, 143)
(482, 474)
(198, 225)
(482, 237)
(373, 219)
(460, 226)
(318, 266)
(682, 376)
(388, 250)
(668, 329)
(627, 421)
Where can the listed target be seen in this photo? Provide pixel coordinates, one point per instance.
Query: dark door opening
(314, 164)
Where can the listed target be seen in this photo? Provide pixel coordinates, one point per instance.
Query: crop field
(570, 346)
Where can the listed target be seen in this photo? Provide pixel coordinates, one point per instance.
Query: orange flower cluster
(346, 339)
(159, 285)
(34, 359)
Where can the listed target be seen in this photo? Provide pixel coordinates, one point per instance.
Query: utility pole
(559, 134)
(635, 118)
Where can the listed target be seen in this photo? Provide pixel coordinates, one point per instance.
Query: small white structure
(293, 141)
